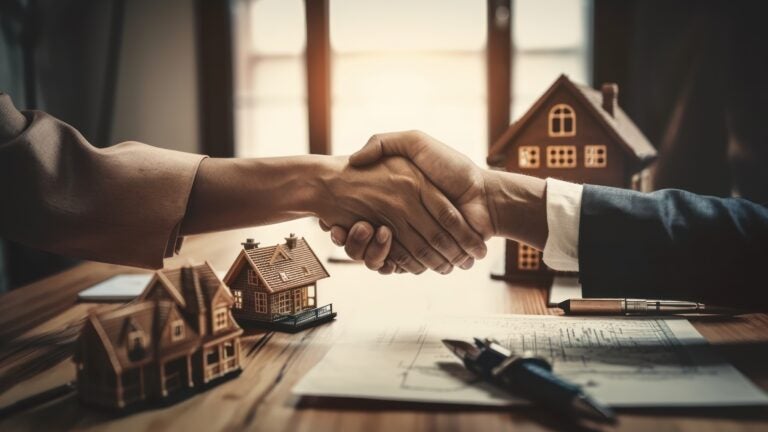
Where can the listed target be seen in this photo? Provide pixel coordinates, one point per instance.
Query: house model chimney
(250, 244)
(291, 241)
(610, 98)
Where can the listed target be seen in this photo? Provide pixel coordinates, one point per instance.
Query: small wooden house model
(575, 133)
(276, 286)
(179, 335)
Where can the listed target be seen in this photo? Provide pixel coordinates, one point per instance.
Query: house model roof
(151, 315)
(281, 267)
(618, 125)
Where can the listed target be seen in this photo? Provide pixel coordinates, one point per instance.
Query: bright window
(220, 319)
(562, 121)
(561, 156)
(270, 84)
(403, 64)
(528, 258)
(529, 157)
(238, 295)
(550, 37)
(595, 156)
(395, 65)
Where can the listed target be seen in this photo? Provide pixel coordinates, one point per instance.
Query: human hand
(453, 173)
(427, 231)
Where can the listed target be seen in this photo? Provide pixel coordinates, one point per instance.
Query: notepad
(119, 288)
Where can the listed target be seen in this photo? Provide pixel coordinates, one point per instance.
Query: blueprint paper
(624, 362)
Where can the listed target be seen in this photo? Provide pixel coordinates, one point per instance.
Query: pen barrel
(596, 307)
(538, 384)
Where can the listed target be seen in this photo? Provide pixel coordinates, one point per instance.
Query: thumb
(405, 144)
(372, 151)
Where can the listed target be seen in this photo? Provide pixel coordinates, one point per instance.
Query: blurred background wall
(255, 78)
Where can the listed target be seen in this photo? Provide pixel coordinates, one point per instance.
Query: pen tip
(586, 407)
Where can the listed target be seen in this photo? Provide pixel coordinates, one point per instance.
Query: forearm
(518, 207)
(236, 193)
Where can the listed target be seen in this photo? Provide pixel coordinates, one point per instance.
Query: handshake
(406, 202)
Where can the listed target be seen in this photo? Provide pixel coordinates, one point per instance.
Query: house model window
(177, 330)
(253, 279)
(528, 258)
(238, 295)
(562, 121)
(261, 302)
(595, 156)
(283, 276)
(561, 156)
(220, 319)
(529, 157)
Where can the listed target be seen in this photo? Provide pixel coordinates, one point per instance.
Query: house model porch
(276, 286)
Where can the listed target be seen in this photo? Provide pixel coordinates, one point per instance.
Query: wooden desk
(261, 397)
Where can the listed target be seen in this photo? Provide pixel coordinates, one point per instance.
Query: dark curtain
(693, 76)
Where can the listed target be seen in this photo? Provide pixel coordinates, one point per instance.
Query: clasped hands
(406, 203)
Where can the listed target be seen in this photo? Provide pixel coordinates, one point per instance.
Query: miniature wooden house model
(177, 336)
(575, 133)
(276, 286)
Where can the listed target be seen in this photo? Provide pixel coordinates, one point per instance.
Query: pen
(607, 306)
(530, 377)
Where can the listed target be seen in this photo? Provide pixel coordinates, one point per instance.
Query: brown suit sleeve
(123, 204)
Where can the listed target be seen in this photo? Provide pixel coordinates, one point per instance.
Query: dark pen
(529, 377)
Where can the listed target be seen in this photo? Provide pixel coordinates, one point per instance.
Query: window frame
(220, 319)
(566, 165)
(558, 114)
(528, 258)
(590, 159)
(524, 155)
(177, 324)
(238, 297)
(260, 302)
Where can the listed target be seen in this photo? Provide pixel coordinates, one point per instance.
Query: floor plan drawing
(665, 361)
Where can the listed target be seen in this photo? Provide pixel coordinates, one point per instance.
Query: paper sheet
(123, 287)
(563, 288)
(625, 362)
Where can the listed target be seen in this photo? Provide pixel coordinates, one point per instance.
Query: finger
(378, 249)
(389, 267)
(386, 144)
(360, 235)
(403, 259)
(409, 236)
(466, 265)
(464, 240)
(323, 226)
(338, 235)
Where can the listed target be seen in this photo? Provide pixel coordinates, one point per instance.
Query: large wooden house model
(276, 286)
(179, 335)
(575, 133)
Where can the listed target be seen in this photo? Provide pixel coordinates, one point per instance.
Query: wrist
(320, 174)
(518, 207)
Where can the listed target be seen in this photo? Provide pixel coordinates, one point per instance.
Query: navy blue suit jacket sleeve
(673, 244)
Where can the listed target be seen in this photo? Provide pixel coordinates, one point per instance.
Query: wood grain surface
(261, 399)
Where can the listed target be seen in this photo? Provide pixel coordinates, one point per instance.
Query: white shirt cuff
(561, 252)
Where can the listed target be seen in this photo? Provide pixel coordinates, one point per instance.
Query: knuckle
(401, 259)
(423, 253)
(448, 217)
(441, 241)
